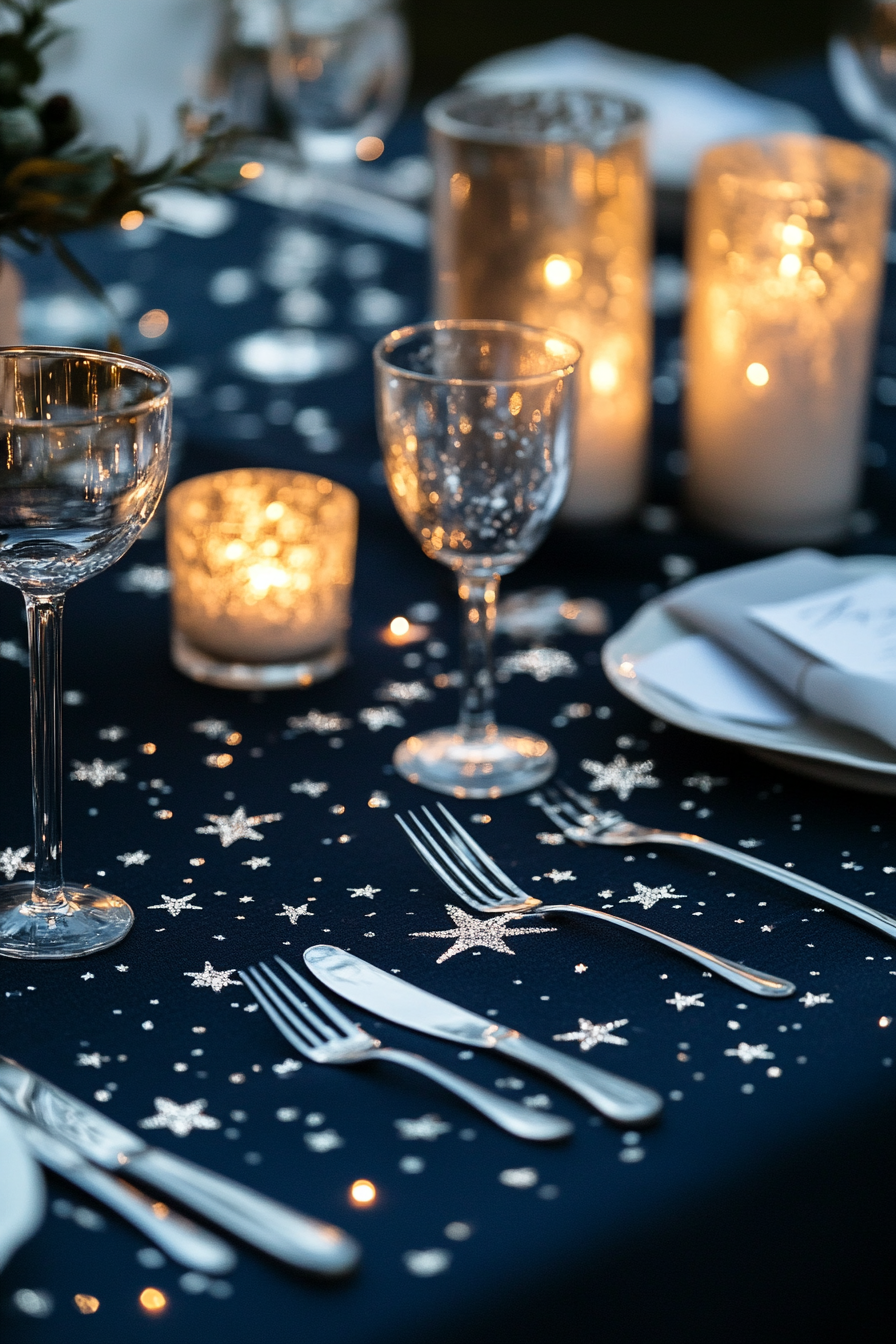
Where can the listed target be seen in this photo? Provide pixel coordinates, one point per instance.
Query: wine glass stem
(45, 650)
(478, 600)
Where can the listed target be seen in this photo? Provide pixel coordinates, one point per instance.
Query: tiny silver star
(151, 580)
(292, 912)
(556, 876)
(256, 861)
(813, 1000)
(212, 979)
(428, 1127)
(405, 692)
(214, 729)
(581, 968)
(381, 716)
(682, 1001)
(138, 856)
(591, 1034)
(92, 1061)
(173, 905)
(620, 776)
(542, 664)
(245, 900)
(747, 1053)
(469, 932)
(12, 861)
(316, 722)
(122, 968)
(367, 891)
(181, 1120)
(88, 975)
(112, 734)
(766, 928)
(550, 838)
(705, 783)
(287, 1066)
(237, 826)
(98, 772)
(649, 896)
(311, 787)
(750, 844)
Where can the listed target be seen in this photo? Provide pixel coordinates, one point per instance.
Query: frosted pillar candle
(786, 251)
(541, 216)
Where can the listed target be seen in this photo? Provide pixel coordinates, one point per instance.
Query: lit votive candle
(786, 252)
(262, 563)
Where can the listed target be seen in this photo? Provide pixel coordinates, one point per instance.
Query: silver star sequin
(114, 733)
(138, 856)
(367, 891)
(287, 1066)
(151, 580)
(293, 912)
(682, 1001)
(12, 861)
(542, 664)
(591, 1034)
(747, 1053)
(316, 722)
(323, 1140)
(381, 716)
(550, 838)
(216, 730)
(556, 876)
(91, 1061)
(649, 896)
(405, 692)
(312, 788)
(620, 776)
(257, 861)
(469, 932)
(427, 1127)
(212, 979)
(705, 783)
(173, 905)
(181, 1120)
(98, 772)
(813, 1000)
(237, 826)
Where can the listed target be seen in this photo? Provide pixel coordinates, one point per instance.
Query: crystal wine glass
(475, 421)
(86, 438)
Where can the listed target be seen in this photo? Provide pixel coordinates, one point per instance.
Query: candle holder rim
(793, 138)
(104, 357)
(564, 370)
(180, 489)
(438, 116)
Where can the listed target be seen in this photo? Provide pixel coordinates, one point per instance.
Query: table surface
(737, 1186)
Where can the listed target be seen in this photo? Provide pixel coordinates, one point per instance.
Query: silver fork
(328, 1037)
(475, 877)
(581, 821)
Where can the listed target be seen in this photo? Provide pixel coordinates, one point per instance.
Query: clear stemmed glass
(475, 420)
(85, 454)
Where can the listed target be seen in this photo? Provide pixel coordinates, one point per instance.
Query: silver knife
(386, 996)
(184, 1241)
(262, 1222)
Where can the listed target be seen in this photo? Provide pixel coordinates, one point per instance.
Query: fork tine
(302, 1013)
(453, 852)
(249, 979)
(339, 1019)
(437, 862)
(480, 853)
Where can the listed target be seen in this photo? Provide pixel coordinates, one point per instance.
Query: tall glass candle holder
(541, 216)
(786, 252)
(262, 563)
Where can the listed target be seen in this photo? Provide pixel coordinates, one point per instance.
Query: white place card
(697, 672)
(852, 627)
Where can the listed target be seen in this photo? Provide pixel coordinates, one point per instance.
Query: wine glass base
(504, 761)
(88, 921)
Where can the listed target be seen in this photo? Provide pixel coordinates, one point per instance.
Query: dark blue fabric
(740, 1196)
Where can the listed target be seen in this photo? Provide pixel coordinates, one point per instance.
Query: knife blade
(386, 996)
(283, 1233)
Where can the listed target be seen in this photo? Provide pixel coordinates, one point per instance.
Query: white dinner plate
(813, 746)
(21, 1190)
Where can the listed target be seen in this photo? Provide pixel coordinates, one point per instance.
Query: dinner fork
(581, 821)
(475, 877)
(328, 1037)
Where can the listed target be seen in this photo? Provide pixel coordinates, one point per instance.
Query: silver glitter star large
(151, 580)
(469, 932)
(316, 722)
(181, 1120)
(620, 776)
(427, 1127)
(747, 1053)
(98, 772)
(237, 826)
(649, 896)
(173, 905)
(682, 1001)
(293, 912)
(813, 1000)
(367, 891)
(405, 692)
(705, 783)
(138, 856)
(542, 664)
(212, 979)
(312, 788)
(381, 716)
(12, 861)
(591, 1034)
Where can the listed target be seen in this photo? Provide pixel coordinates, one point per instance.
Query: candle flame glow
(604, 376)
(757, 374)
(151, 1299)
(558, 271)
(363, 1192)
(399, 625)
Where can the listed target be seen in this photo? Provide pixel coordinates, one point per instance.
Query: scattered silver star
(405, 692)
(750, 844)
(138, 856)
(542, 664)
(550, 838)
(379, 799)
(122, 968)
(214, 729)
(591, 1034)
(316, 722)
(581, 968)
(470, 932)
(13, 652)
(381, 716)
(98, 772)
(151, 580)
(257, 861)
(428, 1127)
(813, 1000)
(114, 733)
(620, 776)
(212, 979)
(649, 896)
(705, 783)
(12, 861)
(88, 975)
(310, 787)
(367, 891)
(323, 1140)
(682, 1001)
(237, 826)
(244, 900)
(181, 1120)
(286, 1067)
(92, 1061)
(556, 876)
(748, 1053)
(766, 928)
(173, 905)
(293, 912)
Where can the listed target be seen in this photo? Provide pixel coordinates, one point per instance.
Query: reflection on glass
(863, 67)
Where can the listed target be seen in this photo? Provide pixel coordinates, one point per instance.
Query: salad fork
(586, 824)
(475, 877)
(328, 1037)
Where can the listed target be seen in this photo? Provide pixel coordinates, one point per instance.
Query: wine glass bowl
(475, 420)
(86, 437)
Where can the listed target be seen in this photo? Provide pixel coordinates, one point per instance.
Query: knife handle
(262, 1222)
(619, 1100)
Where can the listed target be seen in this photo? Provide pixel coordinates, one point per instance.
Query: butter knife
(281, 1232)
(387, 996)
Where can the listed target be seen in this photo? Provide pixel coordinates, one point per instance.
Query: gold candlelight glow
(786, 253)
(262, 563)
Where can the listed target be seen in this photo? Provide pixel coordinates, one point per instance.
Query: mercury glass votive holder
(262, 563)
(787, 240)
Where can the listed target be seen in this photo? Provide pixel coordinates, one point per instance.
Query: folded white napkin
(722, 607)
(689, 108)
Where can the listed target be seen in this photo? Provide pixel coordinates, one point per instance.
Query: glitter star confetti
(323, 1140)
(181, 1120)
(114, 733)
(750, 844)
(237, 826)
(620, 776)
(137, 856)
(428, 1127)
(12, 861)
(591, 1034)
(649, 896)
(705, 783)
(151, 580)
(216, 730)
(747, 1053)
(286, 1067)
(404, 692)
(98, 772)
(257, 861)
(212, 979)
(556, 876)
(381, 716)
(426, 1264)
(91, 1061)
(550, 838)
(542, 664)
(581, 968)
(469, 933)
(294, 912)
(316, 722)
(367, 891)
(311, 788)
(173, 905)
(682, 1001)
(813, 1000)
